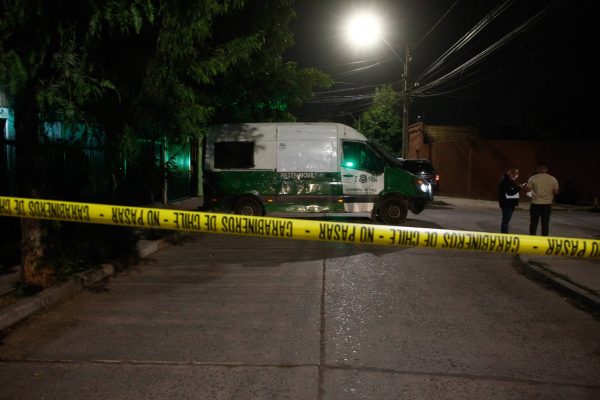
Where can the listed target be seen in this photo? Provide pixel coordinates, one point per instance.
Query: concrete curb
(146, 247)
(91, 277)
(7, 280)
(577, 293)
(22, 309)
(14, 313)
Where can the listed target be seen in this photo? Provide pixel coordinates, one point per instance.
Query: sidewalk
(13, 312)
(577, 278)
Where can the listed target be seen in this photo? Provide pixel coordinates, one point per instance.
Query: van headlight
(423, 185)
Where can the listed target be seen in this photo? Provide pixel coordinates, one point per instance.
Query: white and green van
(262, 168)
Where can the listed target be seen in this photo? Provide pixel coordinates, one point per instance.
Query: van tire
(393, 211)
(248, 206)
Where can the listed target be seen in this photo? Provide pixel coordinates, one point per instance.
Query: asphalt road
(222, 317)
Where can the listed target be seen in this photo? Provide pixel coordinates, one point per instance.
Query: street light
(364, 29)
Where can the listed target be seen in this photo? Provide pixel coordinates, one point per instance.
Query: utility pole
(405, 100)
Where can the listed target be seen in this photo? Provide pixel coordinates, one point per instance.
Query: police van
(264, 168)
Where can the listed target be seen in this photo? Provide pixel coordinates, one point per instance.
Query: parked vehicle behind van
(260, 168)
(423, 169)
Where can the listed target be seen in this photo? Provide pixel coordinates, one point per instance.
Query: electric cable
(485, 53)
(434, 26)
(466, 38)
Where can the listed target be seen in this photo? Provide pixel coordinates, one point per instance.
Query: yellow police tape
(193, 221)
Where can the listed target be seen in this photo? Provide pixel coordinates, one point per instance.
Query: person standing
(508, 196)
(543, 187)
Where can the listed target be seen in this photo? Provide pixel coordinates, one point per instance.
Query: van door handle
(348, 176)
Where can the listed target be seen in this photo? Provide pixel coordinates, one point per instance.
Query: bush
(75, 247)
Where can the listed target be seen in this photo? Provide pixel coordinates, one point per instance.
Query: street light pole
(405, 100)
(364, 29)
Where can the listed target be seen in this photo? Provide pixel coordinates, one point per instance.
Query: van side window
(231, 155)
(357, 155)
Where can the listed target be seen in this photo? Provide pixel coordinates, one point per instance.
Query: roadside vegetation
(382, 121)
(134, 70)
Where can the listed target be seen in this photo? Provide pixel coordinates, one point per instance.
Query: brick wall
(473, 168)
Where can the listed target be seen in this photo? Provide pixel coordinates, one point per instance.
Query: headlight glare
(423, 185)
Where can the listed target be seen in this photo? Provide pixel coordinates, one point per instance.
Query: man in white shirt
(543, 187)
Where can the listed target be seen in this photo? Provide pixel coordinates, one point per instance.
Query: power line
(352, 103)
(378, 59)
(361, 69)
(320, 99)
(485, 53)
(438, 94)
(497, 71)
(434, 26)
(466, 38)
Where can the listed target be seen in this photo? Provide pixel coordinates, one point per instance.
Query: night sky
(540, 80)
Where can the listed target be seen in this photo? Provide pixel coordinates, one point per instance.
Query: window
(231, 155)
(357, 155)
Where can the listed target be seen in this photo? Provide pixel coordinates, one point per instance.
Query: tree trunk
(34, 271)
(33, 232)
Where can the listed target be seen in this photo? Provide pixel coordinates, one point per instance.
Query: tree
(382, 121)
(264, 87)
(45, 71)
(139, 68)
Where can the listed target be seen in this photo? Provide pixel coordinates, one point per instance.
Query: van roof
(269, 130)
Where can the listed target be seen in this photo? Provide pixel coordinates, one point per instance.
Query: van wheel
(248, 206)
(393, 211)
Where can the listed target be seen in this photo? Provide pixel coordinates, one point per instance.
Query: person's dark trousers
(537, 212)
(507, 212)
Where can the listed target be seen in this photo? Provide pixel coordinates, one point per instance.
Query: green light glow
(349, 164)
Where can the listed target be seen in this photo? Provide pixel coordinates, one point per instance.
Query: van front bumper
(417, 204)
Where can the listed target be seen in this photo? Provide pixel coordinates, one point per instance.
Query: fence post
(163, 156)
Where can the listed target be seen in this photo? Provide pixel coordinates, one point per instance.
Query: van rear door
(307, 170)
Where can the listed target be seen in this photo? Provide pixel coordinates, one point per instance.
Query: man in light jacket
(543, 187)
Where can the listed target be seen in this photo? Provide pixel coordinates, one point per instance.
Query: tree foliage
(142, 69)
(383, 120)
(152, 66)
(264, 87)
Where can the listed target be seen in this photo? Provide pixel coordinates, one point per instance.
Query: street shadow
(409, 223)
(250, 251)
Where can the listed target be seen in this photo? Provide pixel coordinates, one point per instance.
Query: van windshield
(384, 153)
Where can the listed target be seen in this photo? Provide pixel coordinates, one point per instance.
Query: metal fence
(178, 158)
(82, 170)
(8, 181)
